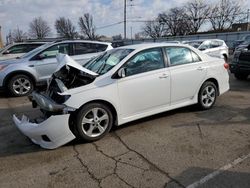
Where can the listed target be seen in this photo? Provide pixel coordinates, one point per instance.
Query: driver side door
(146, 86)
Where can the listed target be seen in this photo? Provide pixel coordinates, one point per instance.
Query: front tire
(94, 121)
(20, 85)
(207, 95)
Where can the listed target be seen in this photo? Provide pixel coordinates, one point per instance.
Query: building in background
(241, 27)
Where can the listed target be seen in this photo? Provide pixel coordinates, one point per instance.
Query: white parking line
(219, 171)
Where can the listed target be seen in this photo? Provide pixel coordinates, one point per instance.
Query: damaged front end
(52, 129)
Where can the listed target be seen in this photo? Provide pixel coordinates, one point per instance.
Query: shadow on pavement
(239, 85)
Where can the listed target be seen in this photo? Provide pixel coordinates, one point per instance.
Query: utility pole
(248, 11)
(1, 40)
(125, 18)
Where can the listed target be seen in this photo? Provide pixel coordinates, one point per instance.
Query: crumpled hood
(64, 59)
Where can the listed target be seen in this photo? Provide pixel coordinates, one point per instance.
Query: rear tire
(94, 121)
(20, 85)
(240, 76)
(207, 95)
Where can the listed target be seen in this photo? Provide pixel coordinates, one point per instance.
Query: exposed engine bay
(71, 77)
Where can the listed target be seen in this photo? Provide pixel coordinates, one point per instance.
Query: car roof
(202, 40)
(152, 45)
(87, 41)
(16, 43)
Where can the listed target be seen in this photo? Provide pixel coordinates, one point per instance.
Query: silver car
(20, 76)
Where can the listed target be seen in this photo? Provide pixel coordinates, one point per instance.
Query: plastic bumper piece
(50, 134)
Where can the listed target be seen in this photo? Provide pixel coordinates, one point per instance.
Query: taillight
(226, 65)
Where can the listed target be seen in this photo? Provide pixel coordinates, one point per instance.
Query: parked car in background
(240, 43)
(20, 76)
(18, 49)
(240, 65)
(122, 85)
(212, 47)
(243, 45)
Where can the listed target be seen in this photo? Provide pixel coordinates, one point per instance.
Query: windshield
(34, 52)
(106, 61)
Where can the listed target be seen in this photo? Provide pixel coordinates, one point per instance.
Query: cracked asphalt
(172, 149)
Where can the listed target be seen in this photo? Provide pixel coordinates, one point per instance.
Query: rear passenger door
(187, 73)
(84, 51)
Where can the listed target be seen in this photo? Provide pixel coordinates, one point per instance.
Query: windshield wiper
(103, 66)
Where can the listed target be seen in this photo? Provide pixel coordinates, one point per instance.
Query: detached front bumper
(50, 134)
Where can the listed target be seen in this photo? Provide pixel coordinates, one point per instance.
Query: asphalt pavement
(180, 148)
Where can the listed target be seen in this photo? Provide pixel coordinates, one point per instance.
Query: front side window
(181, 55)
(54, 50)
(145, 61)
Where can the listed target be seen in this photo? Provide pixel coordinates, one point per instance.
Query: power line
(109, 25)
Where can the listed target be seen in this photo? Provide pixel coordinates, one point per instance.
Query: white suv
(212, 47)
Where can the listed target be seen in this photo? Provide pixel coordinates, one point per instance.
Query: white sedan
(119, 86)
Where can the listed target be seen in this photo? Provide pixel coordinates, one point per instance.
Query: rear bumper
(50, 134)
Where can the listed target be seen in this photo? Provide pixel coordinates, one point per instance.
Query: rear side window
(181, 55)
(85, 48)
(32, 46)
(215, 44)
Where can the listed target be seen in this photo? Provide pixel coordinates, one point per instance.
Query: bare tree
(176, 21)
(87, 27)
(18, 35)
(65, 28)
(224, 14)
(39, 28)
(154, 29)
(197, 11)
(117, 37)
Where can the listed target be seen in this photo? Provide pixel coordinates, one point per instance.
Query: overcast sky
(19, 13)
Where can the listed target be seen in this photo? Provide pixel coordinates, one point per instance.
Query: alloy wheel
(21, 86)
(208, 96)
(95, 122)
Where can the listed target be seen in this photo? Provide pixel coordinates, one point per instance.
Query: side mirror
(41, 56)
(121, 73)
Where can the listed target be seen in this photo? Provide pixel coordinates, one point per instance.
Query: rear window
(85, 48)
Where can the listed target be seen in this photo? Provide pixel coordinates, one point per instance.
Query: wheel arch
(225, 56)
(216, 83)
(72, 117)
(14, 73)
